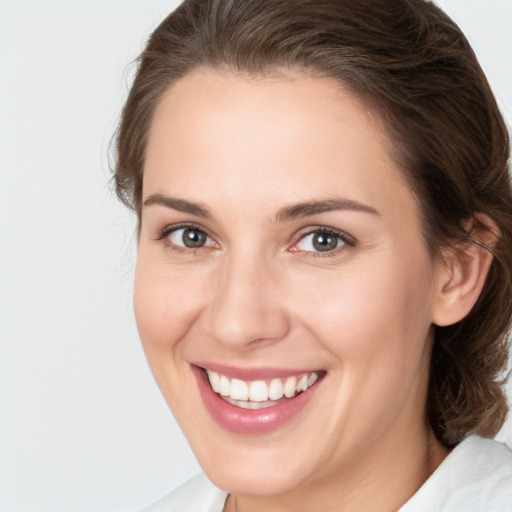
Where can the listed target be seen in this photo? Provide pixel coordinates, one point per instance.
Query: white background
(82, 425)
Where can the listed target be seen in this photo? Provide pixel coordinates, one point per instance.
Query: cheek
(166, 304)
(376, 316)
(376, 326)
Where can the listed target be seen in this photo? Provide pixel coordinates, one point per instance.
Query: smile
(259, 394)
(255, 401)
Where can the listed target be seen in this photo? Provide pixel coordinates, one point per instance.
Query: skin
(258, 295)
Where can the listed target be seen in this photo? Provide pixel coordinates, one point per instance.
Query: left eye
(191, 238)
(319, 241)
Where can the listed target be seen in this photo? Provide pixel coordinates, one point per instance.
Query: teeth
(258, 391)
(224, 386)
(214, 381)
(302, 385)
(247, 404)
(239, 390)
(258, 394)
(275, 390)
(290, 387)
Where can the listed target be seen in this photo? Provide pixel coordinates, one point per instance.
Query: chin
(255, 479)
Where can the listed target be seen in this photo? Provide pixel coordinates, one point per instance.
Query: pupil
(324, 242)
(193, 238)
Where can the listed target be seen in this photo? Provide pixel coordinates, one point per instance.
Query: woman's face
(280, 245)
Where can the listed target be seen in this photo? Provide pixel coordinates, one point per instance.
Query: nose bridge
(246, 306)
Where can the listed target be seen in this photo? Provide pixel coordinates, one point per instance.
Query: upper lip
(251, 374)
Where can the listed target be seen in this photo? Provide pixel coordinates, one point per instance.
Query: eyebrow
(291, 212)
(180, 205)
(328, 205)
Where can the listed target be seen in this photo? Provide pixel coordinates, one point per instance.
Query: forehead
(290, 101)
(236, 133)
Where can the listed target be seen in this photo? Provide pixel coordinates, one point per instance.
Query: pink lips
(249, 421)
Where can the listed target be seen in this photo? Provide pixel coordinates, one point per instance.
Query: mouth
(255, 401)
(260, 394)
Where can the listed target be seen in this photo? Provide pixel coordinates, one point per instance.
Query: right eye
(189, 238)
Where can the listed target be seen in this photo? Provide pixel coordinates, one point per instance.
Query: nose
(247, 306)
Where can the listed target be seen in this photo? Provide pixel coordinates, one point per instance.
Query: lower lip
(249, 421)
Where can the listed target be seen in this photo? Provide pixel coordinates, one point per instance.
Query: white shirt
(475, 477)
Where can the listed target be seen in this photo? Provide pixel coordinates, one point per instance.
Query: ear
(462, 273)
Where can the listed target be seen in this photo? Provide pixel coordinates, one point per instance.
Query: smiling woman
(323, 281)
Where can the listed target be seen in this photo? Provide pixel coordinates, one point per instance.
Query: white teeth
(290, 387)
(239, 390)
(224, 386)
(214, 381)
(251, 405)
(258, 391)
(302, 385)
(258, 394)
(275, 390)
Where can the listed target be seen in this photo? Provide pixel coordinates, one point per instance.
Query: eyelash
(347, 240)
(168, 230)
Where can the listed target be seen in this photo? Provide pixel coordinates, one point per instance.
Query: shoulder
(196, 495)
(476, 476)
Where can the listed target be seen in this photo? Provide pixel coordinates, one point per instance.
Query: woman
(323, 284)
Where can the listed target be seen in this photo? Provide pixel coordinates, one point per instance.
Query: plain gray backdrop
(82, 425)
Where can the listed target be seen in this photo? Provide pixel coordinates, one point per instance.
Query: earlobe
(462, 274)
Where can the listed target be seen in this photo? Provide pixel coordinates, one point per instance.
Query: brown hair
(413, 64)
